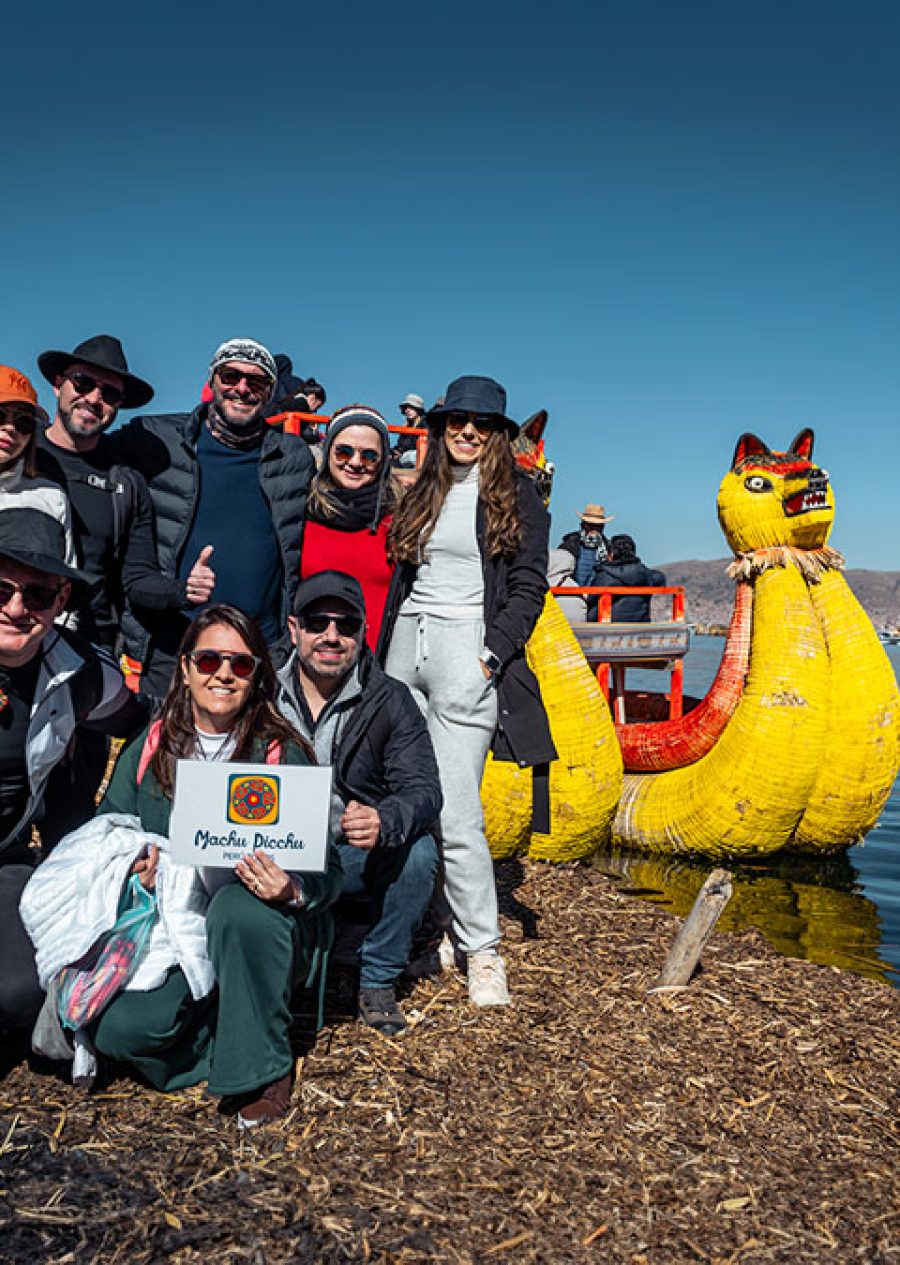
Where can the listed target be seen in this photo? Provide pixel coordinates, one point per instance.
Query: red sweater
(359, 553)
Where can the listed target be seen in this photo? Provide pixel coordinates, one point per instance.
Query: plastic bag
(86, 987)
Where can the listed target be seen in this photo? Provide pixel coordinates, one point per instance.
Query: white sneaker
(487, 979)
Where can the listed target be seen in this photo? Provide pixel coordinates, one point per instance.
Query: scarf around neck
(243, 437)
(354, 508)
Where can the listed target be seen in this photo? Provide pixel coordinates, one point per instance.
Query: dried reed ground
(750, 1118)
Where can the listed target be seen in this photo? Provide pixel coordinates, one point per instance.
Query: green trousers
(239, 1038)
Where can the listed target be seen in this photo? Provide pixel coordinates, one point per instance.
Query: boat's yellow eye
(758, 483)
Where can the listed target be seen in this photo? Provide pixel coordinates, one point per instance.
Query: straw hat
(596, 515)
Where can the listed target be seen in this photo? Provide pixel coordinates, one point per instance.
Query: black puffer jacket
(631, 573)
(384, 758)
(164, 449)
(514, 591)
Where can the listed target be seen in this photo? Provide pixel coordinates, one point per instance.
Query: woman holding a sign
(266, 926)
(470, 541)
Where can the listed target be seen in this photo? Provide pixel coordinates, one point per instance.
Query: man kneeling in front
(386, 793)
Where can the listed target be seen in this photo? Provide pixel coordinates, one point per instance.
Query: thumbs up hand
(202, 579)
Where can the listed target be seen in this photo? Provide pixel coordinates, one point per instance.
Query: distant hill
(709, 592)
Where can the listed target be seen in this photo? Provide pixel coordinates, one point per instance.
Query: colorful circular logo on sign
(253, 799)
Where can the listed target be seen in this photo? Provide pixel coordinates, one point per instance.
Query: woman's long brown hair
(259, 718)
(420, 507)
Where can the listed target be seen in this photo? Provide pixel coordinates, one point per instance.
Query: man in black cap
(111, 509)
(386, 793)
(52, 683)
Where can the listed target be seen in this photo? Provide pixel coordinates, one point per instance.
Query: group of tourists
(283, 609)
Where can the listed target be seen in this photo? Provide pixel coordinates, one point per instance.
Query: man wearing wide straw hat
(51, 682)
(113, 517)
(588, 546)
(221, 477)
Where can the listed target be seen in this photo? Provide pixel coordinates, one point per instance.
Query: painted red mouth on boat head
(804, 502)
(813, 497)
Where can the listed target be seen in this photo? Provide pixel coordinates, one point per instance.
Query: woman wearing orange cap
(20, 487)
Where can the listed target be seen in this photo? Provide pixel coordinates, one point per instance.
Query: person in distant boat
(387, 793)
(228, 487)
(470, 542)
(588, 546)
(412, 410)
(315, 394)
(624, 567)
(348, 512)
(111, 510)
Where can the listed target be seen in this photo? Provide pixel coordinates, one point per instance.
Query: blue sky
(665, 222)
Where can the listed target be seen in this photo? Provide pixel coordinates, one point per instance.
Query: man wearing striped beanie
(227, 487)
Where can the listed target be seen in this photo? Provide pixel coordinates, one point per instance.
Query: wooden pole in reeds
(684, 954)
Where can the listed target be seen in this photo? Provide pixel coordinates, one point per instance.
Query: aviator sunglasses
(258, 383)
(35, 597)
(347, 625)
(207, 662)
(369, 458)
(84, 384)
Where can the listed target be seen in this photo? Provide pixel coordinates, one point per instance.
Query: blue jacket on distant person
(624, 567)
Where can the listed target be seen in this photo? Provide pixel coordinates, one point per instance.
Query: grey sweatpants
(438, 659)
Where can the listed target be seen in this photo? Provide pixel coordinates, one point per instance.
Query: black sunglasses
(208, 662)
(258, 383)
(369, 457)
(22, 421)
(35, 597)
(347, 625)
(483, 422)
(84, 384)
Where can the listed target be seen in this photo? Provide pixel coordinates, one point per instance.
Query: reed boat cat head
(773, 498)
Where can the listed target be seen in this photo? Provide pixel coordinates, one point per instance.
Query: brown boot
(273, 1103)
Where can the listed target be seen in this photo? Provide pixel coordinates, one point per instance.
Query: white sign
(223, 811)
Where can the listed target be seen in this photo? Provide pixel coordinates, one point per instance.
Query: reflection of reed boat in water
(806, 907)
(797, 743)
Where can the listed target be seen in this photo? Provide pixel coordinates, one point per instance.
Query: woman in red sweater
(348, 513)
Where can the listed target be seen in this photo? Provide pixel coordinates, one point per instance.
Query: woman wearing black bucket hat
(470, 542)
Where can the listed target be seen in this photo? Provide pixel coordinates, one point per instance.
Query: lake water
(841, 911)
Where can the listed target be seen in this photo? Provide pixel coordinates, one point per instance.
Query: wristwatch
(490, 661)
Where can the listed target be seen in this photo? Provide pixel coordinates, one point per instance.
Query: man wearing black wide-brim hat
(51, 682)
(111, 509)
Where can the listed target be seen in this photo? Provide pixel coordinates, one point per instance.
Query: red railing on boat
(610, 648)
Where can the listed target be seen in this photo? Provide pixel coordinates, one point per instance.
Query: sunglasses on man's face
(20, 419)
(257, 383)
(484, 423)
(208, 662)
(84, 384)
(368, 457)
(346, 625)
(35, 597)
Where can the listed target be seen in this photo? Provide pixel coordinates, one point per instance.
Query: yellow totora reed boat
(797, 744)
